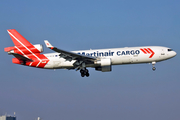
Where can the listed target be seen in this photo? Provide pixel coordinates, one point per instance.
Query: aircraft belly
(49, 65)
(122, 60)
(58, 64)
(67, 64)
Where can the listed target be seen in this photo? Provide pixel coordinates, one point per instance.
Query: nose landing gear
(153, 64)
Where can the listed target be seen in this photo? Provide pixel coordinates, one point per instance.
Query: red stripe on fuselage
(143, 51)
(41, 64)
(151, 52)
(147, 51)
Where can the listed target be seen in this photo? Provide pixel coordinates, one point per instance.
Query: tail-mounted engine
(104, 65)
(38, 48)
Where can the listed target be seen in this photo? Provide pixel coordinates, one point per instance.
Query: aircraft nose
(171, 53)
(174, 53)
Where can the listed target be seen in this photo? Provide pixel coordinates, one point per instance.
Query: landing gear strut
(153, 64)
(84, 72)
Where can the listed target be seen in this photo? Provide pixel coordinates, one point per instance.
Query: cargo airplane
(28, 54)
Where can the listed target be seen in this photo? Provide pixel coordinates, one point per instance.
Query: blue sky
(128, 92)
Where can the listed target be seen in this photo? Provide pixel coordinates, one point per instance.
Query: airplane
(102, 60)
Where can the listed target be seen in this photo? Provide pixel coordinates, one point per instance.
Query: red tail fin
(18, 39)
(25, 52)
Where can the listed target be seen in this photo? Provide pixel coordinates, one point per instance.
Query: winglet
(48, 44)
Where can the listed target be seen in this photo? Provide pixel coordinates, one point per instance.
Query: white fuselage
(102, 60)
(118, 56)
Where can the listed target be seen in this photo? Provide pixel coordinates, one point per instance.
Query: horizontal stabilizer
(8, 49)
(18, 56)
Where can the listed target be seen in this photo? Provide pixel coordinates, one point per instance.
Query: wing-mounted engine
(38, 48)
(104, 65)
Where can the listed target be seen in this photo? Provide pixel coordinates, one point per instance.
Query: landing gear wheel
(153, 68)
(87, 74)
(82, 75)
(84, 72)
(81, 71)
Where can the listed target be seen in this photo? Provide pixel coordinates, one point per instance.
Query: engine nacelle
(104, 65)
(38, 48)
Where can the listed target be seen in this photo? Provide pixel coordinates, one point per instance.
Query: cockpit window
(170, 49)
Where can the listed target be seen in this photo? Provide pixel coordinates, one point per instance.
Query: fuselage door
(162, 52)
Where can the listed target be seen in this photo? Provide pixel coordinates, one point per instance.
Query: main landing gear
(84, 72)
(153, 64)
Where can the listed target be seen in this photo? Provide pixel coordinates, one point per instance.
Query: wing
(21, 57)
(69, 56)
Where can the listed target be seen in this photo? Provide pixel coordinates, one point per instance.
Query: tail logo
(148, 51)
